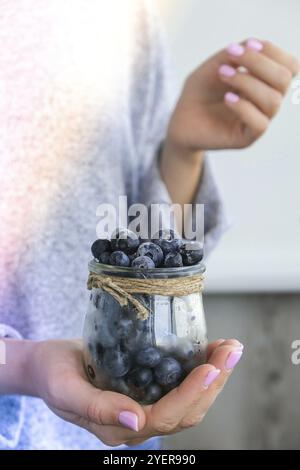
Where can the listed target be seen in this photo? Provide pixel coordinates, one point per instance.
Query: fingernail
(236, 49)
(237, 343)
(254, 44)
(129, 420)
(233, 359)
(232, 97)
(227, 71)
(211, 376)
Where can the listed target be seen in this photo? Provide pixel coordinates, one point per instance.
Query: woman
(85, 108)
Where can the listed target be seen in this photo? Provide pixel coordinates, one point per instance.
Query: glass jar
(143, 359)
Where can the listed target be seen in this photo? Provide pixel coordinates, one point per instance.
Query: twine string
(122, 289)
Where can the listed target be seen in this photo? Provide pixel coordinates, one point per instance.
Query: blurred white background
(260, 185)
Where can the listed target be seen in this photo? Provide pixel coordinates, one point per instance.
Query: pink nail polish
(236, 49)
(255, 45)
(227, 71)
(129, 420)
(232, 97)
(233, 359)
(211, 376)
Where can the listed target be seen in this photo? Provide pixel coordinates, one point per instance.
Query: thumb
(103, 407)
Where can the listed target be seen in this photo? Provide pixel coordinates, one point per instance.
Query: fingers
(182, 406)
(258, 74)
(212, 346)
(270, 70)
(282, 57)
(255, 121)
(264, 97)
(103, 407)
(224, 358)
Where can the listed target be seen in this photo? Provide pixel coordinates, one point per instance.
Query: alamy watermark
(295, 357)
(146, 221)
(2, 352)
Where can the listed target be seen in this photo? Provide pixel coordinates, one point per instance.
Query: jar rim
(99, 268)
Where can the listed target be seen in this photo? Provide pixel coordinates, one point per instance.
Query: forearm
(16, 374)
(181, 171)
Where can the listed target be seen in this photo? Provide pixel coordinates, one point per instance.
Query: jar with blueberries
(145, 327)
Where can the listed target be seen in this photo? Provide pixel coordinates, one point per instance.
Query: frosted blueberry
(143, 262)
(173, 260)
(124, 240)
(99, 247)
(153, 251)
(153, 393)
(192, 253)
(148, 357)
(168, 371)
(141, 377)
(116, 362)
(105, 257)
(118, 258)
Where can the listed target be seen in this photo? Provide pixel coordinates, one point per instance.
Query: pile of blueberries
(121, 347)
(126, 249)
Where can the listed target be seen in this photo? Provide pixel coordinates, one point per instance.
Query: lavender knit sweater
(84, 99)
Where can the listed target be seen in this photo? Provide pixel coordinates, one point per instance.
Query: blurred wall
(261, 184)
(259, 408)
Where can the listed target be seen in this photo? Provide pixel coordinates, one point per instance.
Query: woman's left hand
(117, 419)
(229, 101)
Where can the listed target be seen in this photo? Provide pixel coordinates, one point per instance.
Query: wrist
(181, 169)
(174, 151)
(17, 377)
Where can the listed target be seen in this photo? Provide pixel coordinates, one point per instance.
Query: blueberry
(141, 325)
(131, 343)
(104, 336)
(132, 257)
(173, 260)
(168, 371)
(169, 246)
(121, 328)
(143, 262)
(99, 350)
(99, 247)
(105, 257)
(141, 377)
(116, 362)
(125, 240)
(190, 365)
(118, 258)
(120, 385)
(164, 234)
(192, 253)
(153, 393)
(153, 251)
(148, 357)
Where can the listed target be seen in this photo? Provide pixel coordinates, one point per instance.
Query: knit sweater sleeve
(159, 107)
(11, 407)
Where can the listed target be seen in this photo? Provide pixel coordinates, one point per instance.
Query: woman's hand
(58, 377)
(229, 101)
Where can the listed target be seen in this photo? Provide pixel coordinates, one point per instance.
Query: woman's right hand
(58, 377)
